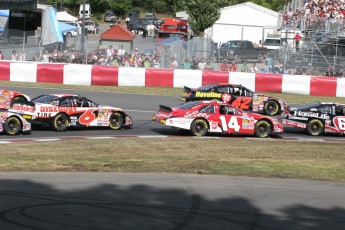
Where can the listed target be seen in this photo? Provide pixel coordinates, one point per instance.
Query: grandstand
(321, 24)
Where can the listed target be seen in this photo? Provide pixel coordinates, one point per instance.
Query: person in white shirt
(201, 65)
(121, 51)
(173, 63)
(110, 51)
(14, 56)
(254, 69)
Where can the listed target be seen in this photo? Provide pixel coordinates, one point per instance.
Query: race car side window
(207, 109)
(325, 109)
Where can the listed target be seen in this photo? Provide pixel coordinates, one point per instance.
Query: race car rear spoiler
(187, 89)
(165, 108)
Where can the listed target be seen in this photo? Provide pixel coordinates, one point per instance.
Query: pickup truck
(240, 49)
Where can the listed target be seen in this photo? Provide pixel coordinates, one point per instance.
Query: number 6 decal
(339, 122)
(87, 117)
(233, 124)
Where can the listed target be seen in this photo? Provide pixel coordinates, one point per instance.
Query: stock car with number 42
(202, 117)
(238, 96)
(66, 110)
(13, 123)
(317, 118)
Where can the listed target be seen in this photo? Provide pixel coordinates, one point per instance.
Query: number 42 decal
(232, 124)
(242, 102)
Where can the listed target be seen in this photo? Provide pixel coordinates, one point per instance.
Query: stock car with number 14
(238, 96)
(66, 110)
(317, 118)
(8, 98)
(202, 117)
(13, 123)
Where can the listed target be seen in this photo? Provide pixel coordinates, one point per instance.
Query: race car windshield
(45, 99)
(189, 105)
(206, 87)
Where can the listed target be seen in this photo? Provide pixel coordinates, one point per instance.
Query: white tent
(246, 21)
(65, 17)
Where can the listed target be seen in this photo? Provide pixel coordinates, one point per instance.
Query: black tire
(263, 129)
(116, 121)
(18, 100)
(315, 127)
(271, 108)
(199, 127)
(60, 122)
(13, 126)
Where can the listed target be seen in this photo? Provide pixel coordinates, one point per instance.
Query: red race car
(8, 98)
(202, 117)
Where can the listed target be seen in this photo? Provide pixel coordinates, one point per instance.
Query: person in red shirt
(224, 66)
(233, 67)
(297, 40)
(2, 57)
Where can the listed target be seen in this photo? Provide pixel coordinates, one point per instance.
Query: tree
(203, 16)
(120, 7)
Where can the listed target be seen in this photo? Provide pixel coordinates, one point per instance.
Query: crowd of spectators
(315, 14)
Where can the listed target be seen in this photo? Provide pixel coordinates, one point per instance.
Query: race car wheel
(12, 126)
(199, 127)
(18, 100)
(60, 122)
(262, 129)
(116, 121)
(315, 127)
(271, 108)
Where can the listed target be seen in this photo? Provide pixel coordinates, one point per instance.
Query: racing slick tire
(199, 127)
(315, 127)
(271, 108)
(18, 100)
(116, 121)
(262, 129)
(12, 126)
(60, 122)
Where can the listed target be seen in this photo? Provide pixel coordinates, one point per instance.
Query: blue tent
(170, 40)
(64, 27)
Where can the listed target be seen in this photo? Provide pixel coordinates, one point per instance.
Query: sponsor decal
(197, 114)
(311, 114)
(214, 125)
(208, 95)
(298, 118)
(226, 97)
(56, 109)
(24, 108)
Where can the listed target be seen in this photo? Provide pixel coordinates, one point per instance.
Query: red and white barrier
(71, 74)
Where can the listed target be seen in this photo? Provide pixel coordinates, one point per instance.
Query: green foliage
(120, 7)
(201, 15)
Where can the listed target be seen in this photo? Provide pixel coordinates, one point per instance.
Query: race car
(317, 118)
(237, 96)
(67, 110)
(202, 117)
(8, 98)
(13, 123)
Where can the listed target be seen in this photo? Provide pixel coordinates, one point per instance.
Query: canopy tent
(4, 13)
(65, 17)
(64, 27)
(50, 27)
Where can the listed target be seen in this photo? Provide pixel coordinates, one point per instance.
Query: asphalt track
(125, 201)
(140, 108)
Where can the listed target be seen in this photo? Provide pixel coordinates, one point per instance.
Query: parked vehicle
(272, 42)
(240, 49)
(91, 26)
(174, 25)
(238, 96)
(150, 16)
(109, 16)
(202, 117)
(317, 118)
(133, 14)
(73, 33)
(67, 110)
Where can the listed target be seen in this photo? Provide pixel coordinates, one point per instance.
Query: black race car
(317, 118)
(238, 96)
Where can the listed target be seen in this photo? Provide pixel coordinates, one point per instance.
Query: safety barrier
(72, 74)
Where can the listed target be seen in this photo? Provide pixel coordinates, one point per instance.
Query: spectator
(116, 62)
(110, 51)
(254, 69)
(77, 58)
(266, 68)
(127, 21)
(14, 56)
(147, 63)
(155, 63)
(121, 52)
(45, 56)
(201, 65)
(329, 72)
(144, 32)
(224, 66)
(173, 63)
(315, 71)
(208, 65)
(136, 52)
(297, 40)
(186, 64)
(2, 57)
(194, 63)
(299, 71)
(244, 67)
(233, 67)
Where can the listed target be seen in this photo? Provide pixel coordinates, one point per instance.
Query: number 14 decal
(232, 124)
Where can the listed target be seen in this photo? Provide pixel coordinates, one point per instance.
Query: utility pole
(83, 31)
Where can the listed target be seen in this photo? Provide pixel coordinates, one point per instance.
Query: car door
(239, 98)
(230, 120)
(338, 118)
